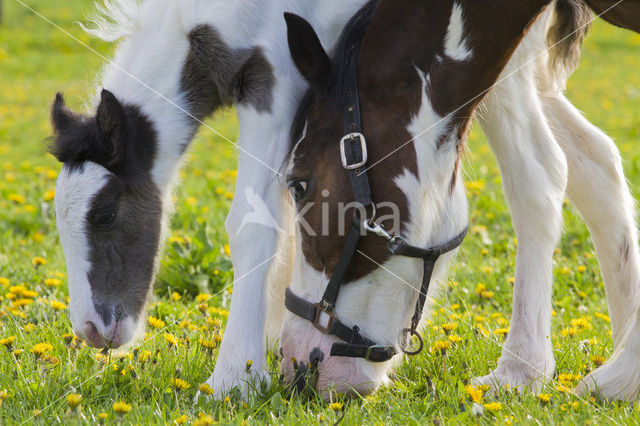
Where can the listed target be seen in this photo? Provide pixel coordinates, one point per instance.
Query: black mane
(342, 74)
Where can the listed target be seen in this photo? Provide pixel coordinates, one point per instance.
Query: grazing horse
(177, 63)
(385, 120)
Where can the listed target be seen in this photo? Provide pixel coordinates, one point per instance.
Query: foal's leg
(534, 174)
(255, 228)
(598, 189)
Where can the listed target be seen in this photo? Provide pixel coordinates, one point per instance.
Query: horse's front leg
(534, 174)
(257, 226)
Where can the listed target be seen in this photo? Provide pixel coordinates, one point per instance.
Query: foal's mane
(342, 76)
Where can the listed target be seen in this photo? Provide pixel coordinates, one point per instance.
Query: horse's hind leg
(598, 189)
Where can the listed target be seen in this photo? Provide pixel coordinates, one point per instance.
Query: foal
(421, 82)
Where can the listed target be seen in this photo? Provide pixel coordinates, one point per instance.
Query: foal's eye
(106, 219)
(298, 188)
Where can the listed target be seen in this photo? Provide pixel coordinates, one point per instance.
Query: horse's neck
(148, 65)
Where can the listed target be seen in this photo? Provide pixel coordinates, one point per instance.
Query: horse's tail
(570, 25)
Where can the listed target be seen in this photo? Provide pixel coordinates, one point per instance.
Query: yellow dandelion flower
(501, 331)
(156, 322)
(454, 338)
(17, 352)
(8, 341)
(581, 322)
(38, 261)
(74, 399)
(171, 339)
(208, 344)
(480, 288)
(449, 327)
(227, 250)
(39, 349)
(52, 282)
(29, 328)
(582, 268)
(58, 306)
(192, 201)
(603, 317)
(181, 420)
(544, 397)
(335, 406)
(493, 407)
(175, 296)
(4, 281)
(598, 359)
(121, 407)
(180, 384)
(204, 421)
(475, 393)
(228, 195)
(205, 388)
(144, 356)
(102, 416)
(4, 394)
(49, 195)
(22, 302)
(203, 297)
(29, 294)
(17, 198)
(568, 331)
(486, 294)
(441, 346)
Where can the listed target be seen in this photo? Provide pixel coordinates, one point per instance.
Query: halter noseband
(353, 152)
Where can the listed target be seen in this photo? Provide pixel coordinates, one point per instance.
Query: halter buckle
(323, 307)
(363, 146)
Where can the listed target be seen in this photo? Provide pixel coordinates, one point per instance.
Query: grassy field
(43, 367)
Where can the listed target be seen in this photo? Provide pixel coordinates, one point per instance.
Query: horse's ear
(307, 52)
(112, 124)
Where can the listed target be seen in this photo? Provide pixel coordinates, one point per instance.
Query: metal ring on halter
(412, 333)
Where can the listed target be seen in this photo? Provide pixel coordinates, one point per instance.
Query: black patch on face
(215, 75)
(123, 230)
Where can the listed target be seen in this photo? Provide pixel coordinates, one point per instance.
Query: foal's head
(109, 215)
(416, 191)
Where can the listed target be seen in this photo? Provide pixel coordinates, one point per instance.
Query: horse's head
(109, 215)
(416, 193)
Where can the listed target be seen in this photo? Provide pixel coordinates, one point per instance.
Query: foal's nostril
(110, 313)
(92, 334)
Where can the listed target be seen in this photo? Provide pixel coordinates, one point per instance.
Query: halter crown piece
(353, 152)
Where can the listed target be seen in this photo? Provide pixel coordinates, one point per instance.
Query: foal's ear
(112, 123)
(307, 52)
(61, 116)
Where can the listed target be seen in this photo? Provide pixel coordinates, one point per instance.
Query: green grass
(36, 60)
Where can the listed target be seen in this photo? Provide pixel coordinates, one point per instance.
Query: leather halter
(353, 152)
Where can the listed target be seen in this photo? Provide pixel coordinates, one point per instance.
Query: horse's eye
(298, 188)
(106, 219)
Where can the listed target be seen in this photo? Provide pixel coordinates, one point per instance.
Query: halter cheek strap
(353, 153)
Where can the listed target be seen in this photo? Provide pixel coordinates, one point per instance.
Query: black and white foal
(179, 61)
